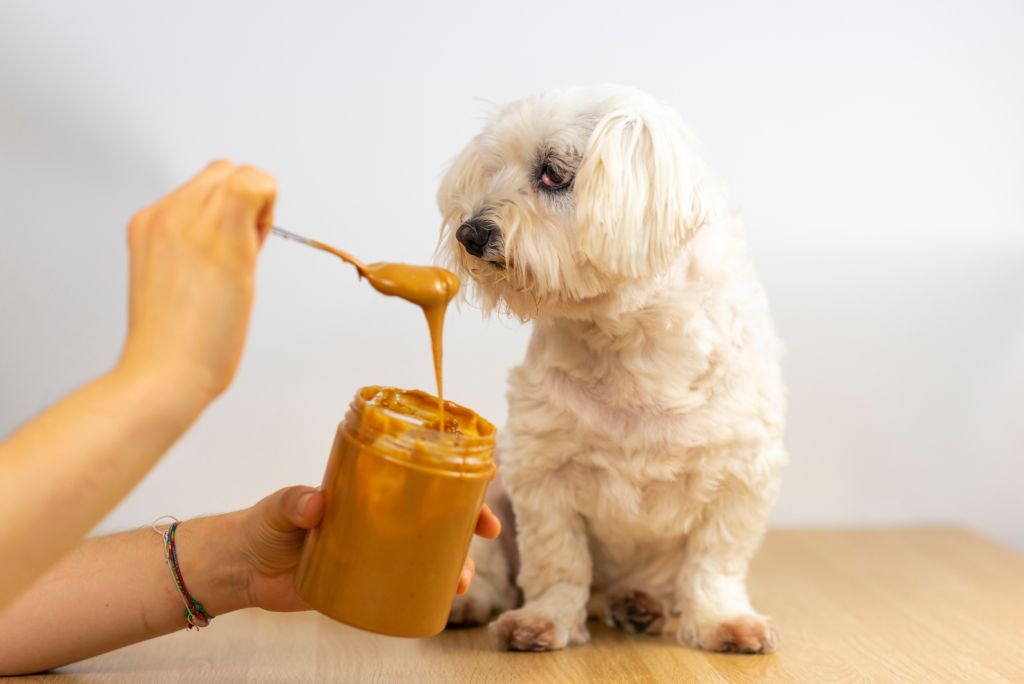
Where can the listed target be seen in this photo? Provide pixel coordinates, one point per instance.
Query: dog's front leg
(711, 588)
(555, 571)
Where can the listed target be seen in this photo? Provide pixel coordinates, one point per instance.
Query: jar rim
(399, 433)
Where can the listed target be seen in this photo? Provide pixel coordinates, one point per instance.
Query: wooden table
(907, 605)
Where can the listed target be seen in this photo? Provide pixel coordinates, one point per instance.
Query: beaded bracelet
(195, 615)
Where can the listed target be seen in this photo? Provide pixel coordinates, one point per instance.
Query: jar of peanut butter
(402, 494)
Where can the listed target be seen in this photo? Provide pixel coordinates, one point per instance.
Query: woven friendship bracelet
(195, 615)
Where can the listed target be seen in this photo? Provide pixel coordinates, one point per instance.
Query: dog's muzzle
(478, 236)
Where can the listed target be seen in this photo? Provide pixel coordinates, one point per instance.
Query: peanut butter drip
(429, 287)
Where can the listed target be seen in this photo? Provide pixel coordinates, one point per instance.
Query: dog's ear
(638, 193)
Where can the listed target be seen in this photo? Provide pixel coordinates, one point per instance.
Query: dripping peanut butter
(429, 287)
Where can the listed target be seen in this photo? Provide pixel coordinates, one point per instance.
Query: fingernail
(304, 502)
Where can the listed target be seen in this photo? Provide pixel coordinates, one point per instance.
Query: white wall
(875, 150)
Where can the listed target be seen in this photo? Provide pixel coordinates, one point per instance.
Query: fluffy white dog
(643, 447)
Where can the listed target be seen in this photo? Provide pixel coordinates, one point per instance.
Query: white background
(875, 149)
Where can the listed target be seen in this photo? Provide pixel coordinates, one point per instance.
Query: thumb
(292, 508)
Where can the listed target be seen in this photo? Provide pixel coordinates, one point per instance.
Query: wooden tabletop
(907, 605)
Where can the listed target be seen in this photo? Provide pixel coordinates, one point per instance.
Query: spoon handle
(316, 244)
(288, 235)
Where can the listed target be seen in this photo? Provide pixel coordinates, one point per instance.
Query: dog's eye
(553, 179)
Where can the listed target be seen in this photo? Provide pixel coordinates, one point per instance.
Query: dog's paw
(739, 634)
(636, 612)
(523, 630)
(527, 630)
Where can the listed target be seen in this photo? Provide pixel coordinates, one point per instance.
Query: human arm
(193, 257)
(116, 590)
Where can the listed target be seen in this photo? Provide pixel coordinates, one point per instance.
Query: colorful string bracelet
(195, 615)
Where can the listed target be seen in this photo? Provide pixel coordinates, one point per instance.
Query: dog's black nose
(476, 234)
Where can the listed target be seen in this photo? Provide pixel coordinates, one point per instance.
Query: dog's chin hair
(504, 291)
(513, 291)
(500, 292)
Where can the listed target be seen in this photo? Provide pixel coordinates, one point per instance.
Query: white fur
(643, 445)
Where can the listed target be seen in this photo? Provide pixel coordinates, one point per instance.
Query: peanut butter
(429, 287)
(401, 503)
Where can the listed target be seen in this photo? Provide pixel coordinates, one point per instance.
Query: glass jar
(401, 502)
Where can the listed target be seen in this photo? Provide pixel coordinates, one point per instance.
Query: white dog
(643, 447)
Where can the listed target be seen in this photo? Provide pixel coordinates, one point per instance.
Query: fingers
(293, 508)
(488, 525)
(310, 509)
(248, 197)
(243, 198)
(196, 188)
(466, 578)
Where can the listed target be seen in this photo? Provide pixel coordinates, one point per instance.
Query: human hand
(271, 535)
(193, 258)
